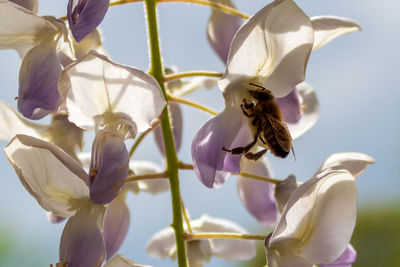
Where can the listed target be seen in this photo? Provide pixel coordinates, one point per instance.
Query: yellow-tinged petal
(328, 28)
(353, 162)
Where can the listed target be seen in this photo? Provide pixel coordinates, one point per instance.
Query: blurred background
(356, 80)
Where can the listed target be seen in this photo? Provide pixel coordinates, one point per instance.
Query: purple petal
(31, 5)
(82, 243)
(176, 118)
(109, 166)
(258, 196)
(38, 94)
(290, 107)
(54, 218)
(85, 15)
(115, 226)
(348, 257)
(220, 31)
(211, 163)
(309, 110)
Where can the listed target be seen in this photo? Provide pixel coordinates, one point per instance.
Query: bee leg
(255, 156)
(242, 149)
(236, 150)
(263, 140)
(244, 111)
(248, 105)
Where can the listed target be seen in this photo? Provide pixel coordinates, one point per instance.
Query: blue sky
(355, 77)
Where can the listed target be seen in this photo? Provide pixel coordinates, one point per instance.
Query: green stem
(180, 75)
(258, 177)
(150, 176)
(192, 104)
(189, 237)
(156, 69)
(186, 217)
(218, 6)
(187, 166)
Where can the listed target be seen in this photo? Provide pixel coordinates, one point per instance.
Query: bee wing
(281, 132)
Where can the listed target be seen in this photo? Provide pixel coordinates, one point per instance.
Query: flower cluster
(66, 74)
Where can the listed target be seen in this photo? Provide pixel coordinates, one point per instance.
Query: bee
(270, 129)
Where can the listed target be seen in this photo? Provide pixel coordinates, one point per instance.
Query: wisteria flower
(45, 47)
(162, 244)
(319, 217)
(93, 232)
(267, 60)
(118, 101)
(270, 51)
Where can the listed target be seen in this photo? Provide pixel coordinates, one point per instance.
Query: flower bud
(85, 15)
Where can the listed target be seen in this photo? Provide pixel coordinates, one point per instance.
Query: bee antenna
(259, 86)
(294, 155)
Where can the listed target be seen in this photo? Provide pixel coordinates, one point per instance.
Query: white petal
(153, 186)
(94, 85)
(310, 114)
(162, 244)
(319, 218)
(271, 48)
(21, 29)
(199, 251)
(85, 158)
(12, 123)
(229, 249)
(284, 190)
(50, 175)
(354, 162)
(121, 261)
(276, 260)
(328, 28)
